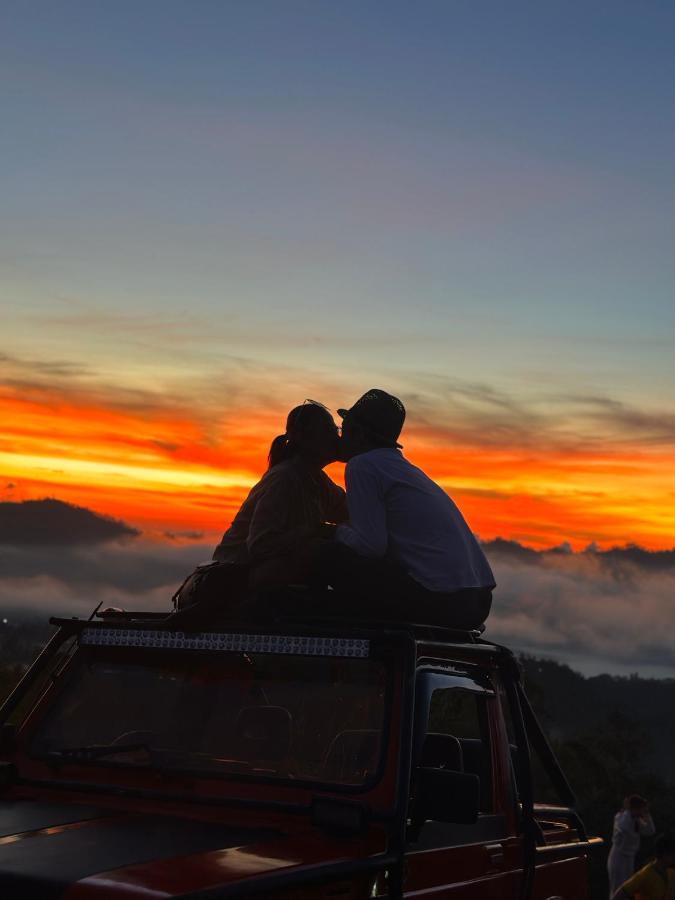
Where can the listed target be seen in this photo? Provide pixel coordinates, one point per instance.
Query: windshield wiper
(166, 759)
(94, 751)
(156, 757)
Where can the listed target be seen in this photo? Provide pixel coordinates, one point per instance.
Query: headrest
(442, 751)
(352, 753)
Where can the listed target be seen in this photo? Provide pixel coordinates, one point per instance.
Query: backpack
(220, 585)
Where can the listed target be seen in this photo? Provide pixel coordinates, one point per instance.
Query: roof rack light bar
(233, 643)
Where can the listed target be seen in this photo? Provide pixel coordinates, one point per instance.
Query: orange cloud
(167, 463)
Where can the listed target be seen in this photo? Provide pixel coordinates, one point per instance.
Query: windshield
(264, 715)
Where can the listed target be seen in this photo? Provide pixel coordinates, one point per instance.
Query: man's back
(395, 510)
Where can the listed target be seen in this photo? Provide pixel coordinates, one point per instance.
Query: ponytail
(281, 449)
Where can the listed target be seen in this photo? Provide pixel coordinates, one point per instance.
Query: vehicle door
(560, 846)
(453, 851)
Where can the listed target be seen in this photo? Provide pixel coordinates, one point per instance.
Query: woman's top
(281, 513)
(628, 830)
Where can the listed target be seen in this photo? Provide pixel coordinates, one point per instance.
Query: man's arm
(366, 532)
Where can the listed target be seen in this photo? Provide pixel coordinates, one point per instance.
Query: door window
(454, 734)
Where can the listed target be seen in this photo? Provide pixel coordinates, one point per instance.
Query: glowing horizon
(166, 470)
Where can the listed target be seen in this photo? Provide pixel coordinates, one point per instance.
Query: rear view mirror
(446, 796)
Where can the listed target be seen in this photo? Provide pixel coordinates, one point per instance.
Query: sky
(214, 210)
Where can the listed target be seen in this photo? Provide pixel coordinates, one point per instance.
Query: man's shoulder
(361, 466)
(380, 458)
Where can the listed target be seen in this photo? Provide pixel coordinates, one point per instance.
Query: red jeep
(307, 759)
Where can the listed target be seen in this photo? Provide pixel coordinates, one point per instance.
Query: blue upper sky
(475, 187)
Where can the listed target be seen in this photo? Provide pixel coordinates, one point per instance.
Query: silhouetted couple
(396, 547)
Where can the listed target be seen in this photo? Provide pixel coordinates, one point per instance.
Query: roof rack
(419, 631)
(126, 615)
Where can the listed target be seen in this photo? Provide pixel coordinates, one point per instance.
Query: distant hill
(570, 705)
(613, 736)
(51, 522)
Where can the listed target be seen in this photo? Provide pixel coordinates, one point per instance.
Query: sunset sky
(214, 210)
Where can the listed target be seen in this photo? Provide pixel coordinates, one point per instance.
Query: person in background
(630, 824)
(406, 541)
(284, 511)
(656, 881)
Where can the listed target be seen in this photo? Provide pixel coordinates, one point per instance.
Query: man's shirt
(398, 512)
(651, 884)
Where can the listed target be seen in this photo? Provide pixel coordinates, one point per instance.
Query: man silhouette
(406, 542)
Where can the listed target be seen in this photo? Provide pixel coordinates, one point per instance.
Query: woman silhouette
(284, 511)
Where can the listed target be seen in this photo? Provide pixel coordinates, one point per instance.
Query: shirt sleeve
(269, 534)
(366, 532)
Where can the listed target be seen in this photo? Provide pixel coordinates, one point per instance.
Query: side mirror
(445, 796)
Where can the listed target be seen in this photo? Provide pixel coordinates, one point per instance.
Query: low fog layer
(598, 611)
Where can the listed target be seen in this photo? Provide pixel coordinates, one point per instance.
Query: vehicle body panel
(79, 828)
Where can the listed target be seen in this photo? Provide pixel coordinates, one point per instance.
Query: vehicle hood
(71, 851)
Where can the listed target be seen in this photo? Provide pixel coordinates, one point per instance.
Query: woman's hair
(285, 446)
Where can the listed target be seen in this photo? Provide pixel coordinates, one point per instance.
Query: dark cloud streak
(49, 368)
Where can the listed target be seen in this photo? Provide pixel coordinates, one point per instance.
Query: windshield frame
(380, 651)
